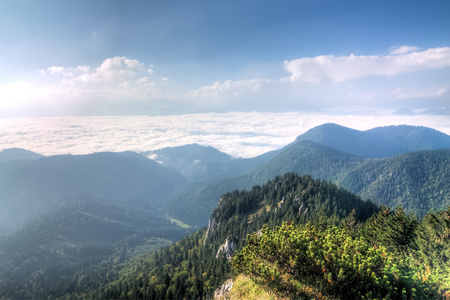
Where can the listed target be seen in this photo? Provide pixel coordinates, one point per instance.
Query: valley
(90, 225)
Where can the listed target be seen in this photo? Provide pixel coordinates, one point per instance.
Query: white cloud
(230, 89)
(402, 50)
(120, 86)
(238, 134)
(331, 68)
(112, 71)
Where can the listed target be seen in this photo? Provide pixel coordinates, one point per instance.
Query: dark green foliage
(312, 262)
(433, 248)
(393, 229)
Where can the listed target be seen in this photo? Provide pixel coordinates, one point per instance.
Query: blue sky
(62, 58)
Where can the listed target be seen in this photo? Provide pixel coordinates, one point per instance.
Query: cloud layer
(238, 134)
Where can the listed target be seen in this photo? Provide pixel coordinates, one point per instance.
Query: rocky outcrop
(212, 225)
(222, 292)
(227, 248)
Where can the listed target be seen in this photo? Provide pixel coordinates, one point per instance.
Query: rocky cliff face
(227, 248)
(212, 224)
(221, 293)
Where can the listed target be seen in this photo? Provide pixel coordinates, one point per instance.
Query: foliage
(394, 229)
(432, 241)
(309, 261)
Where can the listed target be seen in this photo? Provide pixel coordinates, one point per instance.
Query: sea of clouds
(239, 134)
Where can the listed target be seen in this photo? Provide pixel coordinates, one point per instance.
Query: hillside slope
(47, 183)
(418, 181)
(196, 265)
(201, 163)
(54, 248)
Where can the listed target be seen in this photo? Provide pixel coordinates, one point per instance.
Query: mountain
(199, 163)
(17, 154)
(379, 142)
(413, 138)
(290, 237)
(92, 222)
(49, 182)
(194, 161)
(196, 202)
(418, 181)
(293, 237)
(404, 112)
(308, 157)
(196, 265)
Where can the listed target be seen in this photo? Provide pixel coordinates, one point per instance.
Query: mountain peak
(377, 142)
(18, 153)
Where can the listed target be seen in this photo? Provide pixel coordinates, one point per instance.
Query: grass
(178, 222)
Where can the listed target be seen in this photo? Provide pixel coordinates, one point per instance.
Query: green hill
(418, 181)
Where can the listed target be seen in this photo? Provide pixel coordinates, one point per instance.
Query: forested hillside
(418, 181)
(194, 267)
(51, 253)
(291, 237)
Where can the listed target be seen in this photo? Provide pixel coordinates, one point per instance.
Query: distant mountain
(379, 142)
(17, 153)
(413, 138)
(48, 182)
(194, 161)
(195, 203)
(419, 181)
(404, 112)
(199, 163)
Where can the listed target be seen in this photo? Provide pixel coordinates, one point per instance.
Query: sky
(305, 58)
